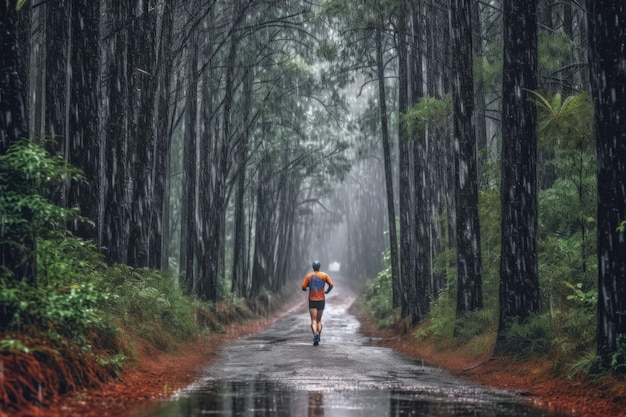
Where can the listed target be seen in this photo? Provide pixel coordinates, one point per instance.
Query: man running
(316, 281)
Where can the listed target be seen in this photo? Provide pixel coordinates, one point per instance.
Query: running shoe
(316, 339)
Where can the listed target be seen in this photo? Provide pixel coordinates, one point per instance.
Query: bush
(27, 171)
(149, 303)
(439, 325)
(376, 300)
(533, 337)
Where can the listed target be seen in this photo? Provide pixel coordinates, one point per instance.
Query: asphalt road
(279, 372)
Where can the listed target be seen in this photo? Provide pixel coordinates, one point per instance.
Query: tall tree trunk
(607, 37)
(519, 281)
(189, 231)
(407, 261)
(289, 190)
(482, 151)
(115, 216)
(419, 291)
(143, 87)
(210, 221)
(38, 65)
(159, 225)
(469, 282)
(57, 85)
(263, 229)
(391, 214)
(13, 127)
(13, 117)
(84, 140)
(240, 248)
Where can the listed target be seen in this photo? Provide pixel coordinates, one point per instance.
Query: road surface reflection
(268, 399)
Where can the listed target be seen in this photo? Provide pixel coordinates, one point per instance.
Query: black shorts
(317, 304)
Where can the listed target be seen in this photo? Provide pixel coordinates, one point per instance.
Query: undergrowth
(68, 320)
(564, 331)
(376, 299)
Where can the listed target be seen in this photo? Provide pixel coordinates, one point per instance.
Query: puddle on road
(267, 399)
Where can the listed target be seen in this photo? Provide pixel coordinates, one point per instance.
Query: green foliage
(64, 260)
(555, 51)
(473, 324)
(491, 68)
(150, 304)
(567, 242)
(537, 336)
(65, 313)
(580, 366)
(64, 304)
(427, 110)
(27, 171)
(565, 123)
(587, 299)
(489, 209)
(555, 205)
(326, 50)
(114, 363)
(439, 325)
(20, 4)
(376, 298)
(13, 346)
(574, 322)
(77, 300)
(618, 358)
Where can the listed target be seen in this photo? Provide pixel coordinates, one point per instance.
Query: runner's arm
(330, 283)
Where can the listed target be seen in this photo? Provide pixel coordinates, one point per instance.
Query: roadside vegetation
(74, 324)
(565, 330)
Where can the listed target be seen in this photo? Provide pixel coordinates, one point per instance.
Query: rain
(461, 160)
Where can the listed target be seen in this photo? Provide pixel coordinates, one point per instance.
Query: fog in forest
(468, 155)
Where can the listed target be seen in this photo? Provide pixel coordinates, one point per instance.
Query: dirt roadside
(534, 379)
(157, 375)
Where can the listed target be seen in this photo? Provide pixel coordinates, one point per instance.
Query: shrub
(27, 171)
(533, 337)
(149, 303)
(376, 299)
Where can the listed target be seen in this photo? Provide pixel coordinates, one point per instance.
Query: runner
(316, 281)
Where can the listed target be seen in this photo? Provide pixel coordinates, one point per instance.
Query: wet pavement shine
(279, 373)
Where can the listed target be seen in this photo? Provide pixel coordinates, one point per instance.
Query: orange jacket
(316, 281)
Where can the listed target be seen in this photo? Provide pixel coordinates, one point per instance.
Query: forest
(167, 166)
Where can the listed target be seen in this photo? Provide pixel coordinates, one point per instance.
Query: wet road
(279, 372)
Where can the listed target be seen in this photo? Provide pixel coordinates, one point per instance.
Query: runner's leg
(314, 313)
(319, 320)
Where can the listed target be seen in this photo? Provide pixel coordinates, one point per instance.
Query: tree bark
(607, 36)
(482, 150)
(263, 229)
(142, 37)
(160, 237)
(519, 281)
(84, 140)
(469, 278)
(20, 259)
(419, 290)
(115, 216)
(391, 215)
(407, 260)
(189, 231)
(239, 282)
